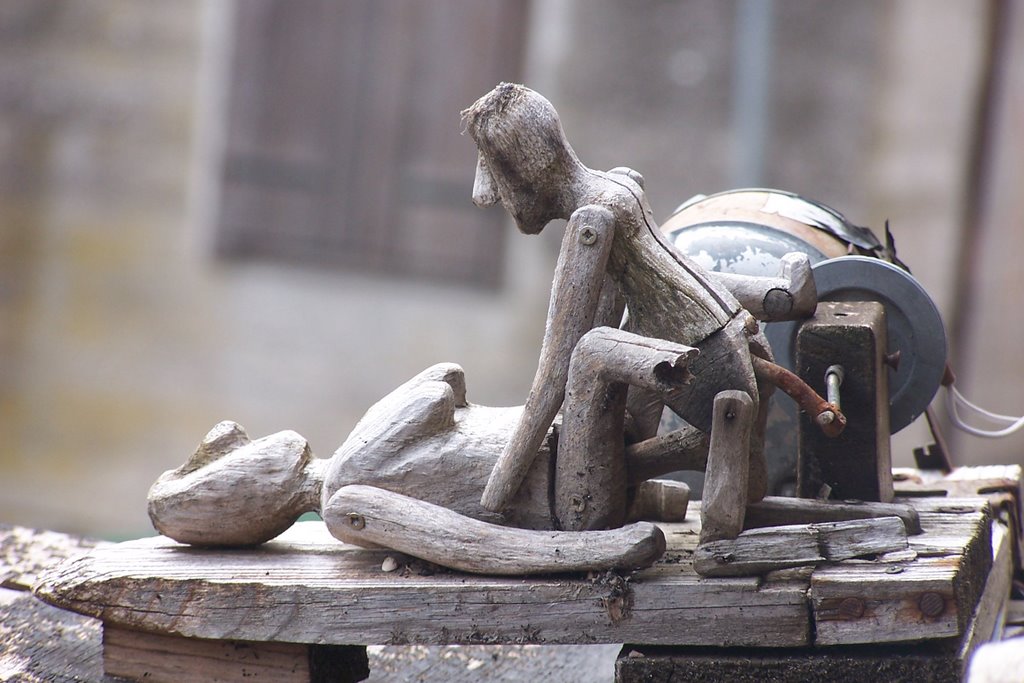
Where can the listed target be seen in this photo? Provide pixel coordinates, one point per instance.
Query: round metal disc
(914, 328)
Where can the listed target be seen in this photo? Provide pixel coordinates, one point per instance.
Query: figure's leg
(590, 469)
(724, 502)
(757, 486)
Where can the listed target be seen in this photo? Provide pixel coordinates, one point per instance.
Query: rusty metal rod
(824, 413)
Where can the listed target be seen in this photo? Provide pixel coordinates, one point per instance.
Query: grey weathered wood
(160, 658)
(990, 613)
(575, 297)
(682, 449)
(528, 165)
(426, 441)
(762, 550)
(590, 470)
(25, 553)
(790, 296)
(367, 515)
(304, 586)
(38, 642)
(932, 596)
(659, 500)
(778, 510)
(725, 485)
(856, 464)
(234, 491)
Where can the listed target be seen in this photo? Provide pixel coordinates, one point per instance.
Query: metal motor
(748, 231)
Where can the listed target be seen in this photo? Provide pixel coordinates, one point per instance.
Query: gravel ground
(458, 663)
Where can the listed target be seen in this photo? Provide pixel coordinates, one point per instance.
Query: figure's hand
(790, 296)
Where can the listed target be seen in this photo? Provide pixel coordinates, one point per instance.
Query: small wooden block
(857, 464)
(141, 656)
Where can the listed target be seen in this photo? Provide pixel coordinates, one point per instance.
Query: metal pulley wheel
(914, 328)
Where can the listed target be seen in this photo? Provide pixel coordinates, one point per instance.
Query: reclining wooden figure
(429, 474)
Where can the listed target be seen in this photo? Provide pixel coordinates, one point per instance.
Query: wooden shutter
(344, 142)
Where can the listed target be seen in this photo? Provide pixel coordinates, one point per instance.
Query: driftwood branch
(682, 449)
(365, 515)
(790, 296)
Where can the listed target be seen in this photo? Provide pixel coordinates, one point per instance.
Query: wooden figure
(613, 249)
(430, 474)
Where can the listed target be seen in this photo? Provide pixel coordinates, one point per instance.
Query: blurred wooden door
(344, 140)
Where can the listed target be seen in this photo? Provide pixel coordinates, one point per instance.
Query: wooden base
(137, 655)
(166, 606)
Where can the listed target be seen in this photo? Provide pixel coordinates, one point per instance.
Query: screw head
(578, 503)
(931, 604)
(356, 520)
(852, 608)
(777, 302)
(587, 235)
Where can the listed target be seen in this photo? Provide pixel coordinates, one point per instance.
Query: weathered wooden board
(761, 550)
(933, 596)
(305, 587)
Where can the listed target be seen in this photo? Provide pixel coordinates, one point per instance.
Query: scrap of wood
(682, 449)
(725, 483)
(779, 510)
(659, 500)
(762, 550)
(367, 515)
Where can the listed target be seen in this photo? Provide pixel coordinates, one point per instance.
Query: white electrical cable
(954, 397)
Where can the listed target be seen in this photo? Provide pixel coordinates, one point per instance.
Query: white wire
(953, 396)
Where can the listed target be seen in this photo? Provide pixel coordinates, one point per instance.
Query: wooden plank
(25, 553)
(159, 658)
(761, 550)
(778, 511)
(305, 587)
(42, 644)
(931, 597)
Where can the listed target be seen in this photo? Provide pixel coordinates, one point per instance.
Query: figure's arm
(790, 296)
(575, 295)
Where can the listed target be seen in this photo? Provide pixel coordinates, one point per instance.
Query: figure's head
(525, 162)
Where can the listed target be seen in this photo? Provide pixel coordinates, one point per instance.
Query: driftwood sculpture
(614, 251)
(427, 473)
